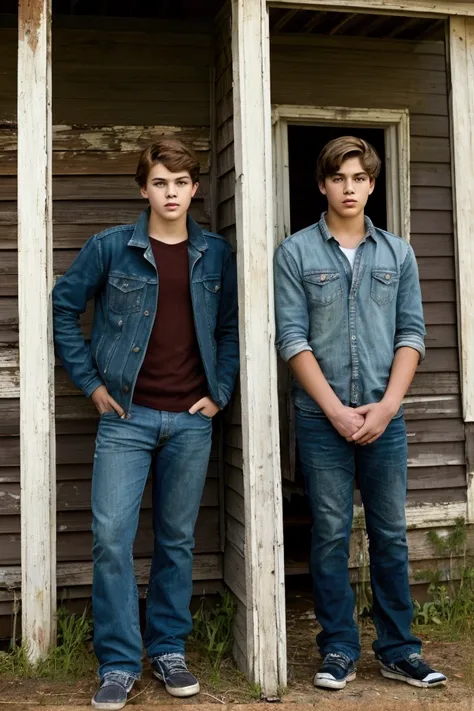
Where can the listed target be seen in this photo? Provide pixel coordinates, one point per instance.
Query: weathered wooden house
(257, 87)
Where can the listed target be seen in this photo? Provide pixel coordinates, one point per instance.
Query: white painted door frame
(35, 281)
(397, 159)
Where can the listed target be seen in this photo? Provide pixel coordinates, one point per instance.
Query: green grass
(71, 659)
(212, 628)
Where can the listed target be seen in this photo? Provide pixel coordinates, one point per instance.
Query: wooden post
(35, 279)
(266, 629)
(461, 61)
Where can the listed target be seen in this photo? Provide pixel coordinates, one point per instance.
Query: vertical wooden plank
(266, 638)
(461, 62)
(38, 509)
(469, 431)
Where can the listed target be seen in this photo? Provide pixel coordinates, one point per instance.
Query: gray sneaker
(171, 669)
(113, 691)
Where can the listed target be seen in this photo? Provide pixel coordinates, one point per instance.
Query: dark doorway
(304, 146)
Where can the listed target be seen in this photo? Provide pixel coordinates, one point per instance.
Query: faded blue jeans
(329, 464)
(178, 445)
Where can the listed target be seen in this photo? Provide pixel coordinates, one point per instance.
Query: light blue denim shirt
(353, 321)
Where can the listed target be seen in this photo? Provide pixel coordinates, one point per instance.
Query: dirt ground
(370, 691)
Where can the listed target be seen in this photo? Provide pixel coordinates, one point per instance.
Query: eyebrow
(343, 175)
(181, 177)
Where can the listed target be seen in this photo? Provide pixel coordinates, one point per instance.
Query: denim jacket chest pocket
(322, 286)
(211, 284)
(384, 285)
(125, 294)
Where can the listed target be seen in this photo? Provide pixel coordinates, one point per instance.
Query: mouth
(350, 202)
(171, 205)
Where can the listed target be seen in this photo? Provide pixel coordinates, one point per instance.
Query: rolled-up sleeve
(410, 328)
(291, 309)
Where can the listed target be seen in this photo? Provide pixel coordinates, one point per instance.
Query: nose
(171, 190)
(349, 188)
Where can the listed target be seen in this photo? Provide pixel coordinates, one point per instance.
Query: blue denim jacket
(118, 269)
(353, 322)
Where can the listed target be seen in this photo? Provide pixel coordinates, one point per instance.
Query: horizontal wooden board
(92, 187)
(438, 290)
(435, 384)
(433, 245)
(439, 430)
(89, 162)
(444, 336)
(102, 212)
(433, 126)
(437, 454)
(295, 53)
(442, 477)
(76, 496)
(429, 407)
(205, 567)
(432, 222)
(436, 267)
(398, 47)
(440, 313)
(440, 360)
(78, 546)
(430, 174)
(77, 472)
(431, 198)
(82, 140)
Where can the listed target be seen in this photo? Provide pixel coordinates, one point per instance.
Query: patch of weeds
(451, 603)
(71, 659)
(212, 628)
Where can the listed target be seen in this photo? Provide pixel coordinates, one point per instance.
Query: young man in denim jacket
(350, 325)
(162, 362)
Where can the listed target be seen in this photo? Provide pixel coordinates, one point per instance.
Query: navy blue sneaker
(335, 671)
(171, 669)
(413, 670)
(113, 691)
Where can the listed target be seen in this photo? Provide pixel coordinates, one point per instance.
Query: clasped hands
(363, 425)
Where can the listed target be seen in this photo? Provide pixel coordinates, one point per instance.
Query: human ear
(194, 191)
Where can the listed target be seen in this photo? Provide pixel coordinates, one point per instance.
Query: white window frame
(397, 156)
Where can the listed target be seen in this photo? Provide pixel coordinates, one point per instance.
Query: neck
(349, 231)
(171, 232)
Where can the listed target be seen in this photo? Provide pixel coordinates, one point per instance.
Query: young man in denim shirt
(350, 325)
(162, 362)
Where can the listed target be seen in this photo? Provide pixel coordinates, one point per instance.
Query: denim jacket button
(125, 388)
(136, 349)
(120, 323)
(146, 313)
(323, 277)
(387, 277)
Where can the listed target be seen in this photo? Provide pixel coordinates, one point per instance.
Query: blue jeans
(329, 464)
(177, 445)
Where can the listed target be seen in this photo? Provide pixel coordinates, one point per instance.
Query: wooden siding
(112, 101)
(396, 75)
(223, 159)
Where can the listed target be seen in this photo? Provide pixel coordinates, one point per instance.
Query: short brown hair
(173, 154)
(340, 149)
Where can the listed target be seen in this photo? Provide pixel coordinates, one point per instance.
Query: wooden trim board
(424, 8)
(264, 565)
(35, 280)
(460, 44)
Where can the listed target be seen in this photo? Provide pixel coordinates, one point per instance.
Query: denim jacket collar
(369, 228)
(141, 239)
